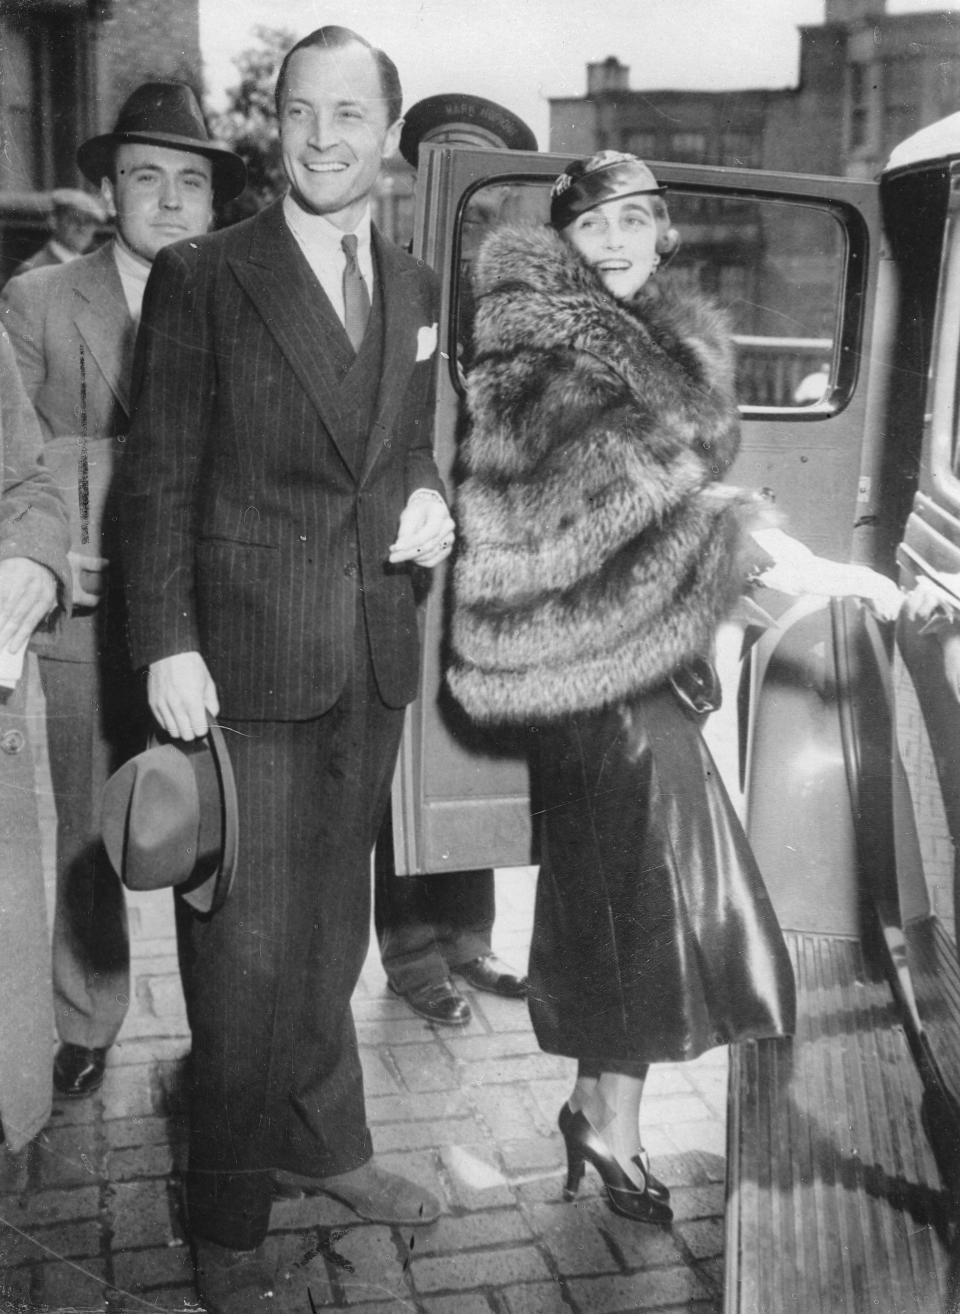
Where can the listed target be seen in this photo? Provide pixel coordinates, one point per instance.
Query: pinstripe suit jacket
(249, 531)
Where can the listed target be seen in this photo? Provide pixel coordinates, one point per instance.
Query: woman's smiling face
(619, 240)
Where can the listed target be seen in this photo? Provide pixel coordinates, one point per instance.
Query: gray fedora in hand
(169, 817)
(164, 114)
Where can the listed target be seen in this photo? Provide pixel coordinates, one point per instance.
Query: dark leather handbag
(697, 686)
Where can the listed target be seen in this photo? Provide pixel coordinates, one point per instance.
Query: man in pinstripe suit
(278, 483)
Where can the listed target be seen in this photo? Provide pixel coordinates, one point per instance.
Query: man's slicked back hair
(335, 38)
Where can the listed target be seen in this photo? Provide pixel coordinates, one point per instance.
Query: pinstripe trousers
(275, 1078)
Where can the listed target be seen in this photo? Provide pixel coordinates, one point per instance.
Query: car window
(776, 266)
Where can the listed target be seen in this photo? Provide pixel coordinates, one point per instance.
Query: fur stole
(596, 552)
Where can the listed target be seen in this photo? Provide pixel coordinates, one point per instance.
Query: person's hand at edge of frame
(28, 593)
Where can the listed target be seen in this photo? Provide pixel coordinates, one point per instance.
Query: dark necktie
(356, 298)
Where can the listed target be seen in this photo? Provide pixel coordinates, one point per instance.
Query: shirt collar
(130, 265)
(316, 233)
(133, 276)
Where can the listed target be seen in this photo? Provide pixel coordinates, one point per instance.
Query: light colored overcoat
(33, 524)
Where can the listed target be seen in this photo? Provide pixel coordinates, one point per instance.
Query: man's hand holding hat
(181, 692)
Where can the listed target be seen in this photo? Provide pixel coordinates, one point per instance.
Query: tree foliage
(249, 123)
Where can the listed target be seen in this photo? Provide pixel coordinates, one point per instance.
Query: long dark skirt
(654, 938)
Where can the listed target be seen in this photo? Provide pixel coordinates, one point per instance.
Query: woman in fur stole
(598, 554)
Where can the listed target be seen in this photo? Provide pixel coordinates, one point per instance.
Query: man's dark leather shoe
(438, 1001)
(488, 973)
(370, 1191)
(78, 1071)
(231, 1281)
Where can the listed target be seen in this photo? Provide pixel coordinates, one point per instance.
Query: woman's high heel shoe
(584, 1144)
(655, 1188)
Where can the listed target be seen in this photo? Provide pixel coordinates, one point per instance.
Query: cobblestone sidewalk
(90, 1214)
(90, 1217)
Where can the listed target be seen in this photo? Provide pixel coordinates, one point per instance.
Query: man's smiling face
(335, 130)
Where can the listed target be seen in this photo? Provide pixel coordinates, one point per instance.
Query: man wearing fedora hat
(73, 328)
(280, 481)
(75, 216)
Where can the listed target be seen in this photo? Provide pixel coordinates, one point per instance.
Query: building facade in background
(867, 80)
(66, 66)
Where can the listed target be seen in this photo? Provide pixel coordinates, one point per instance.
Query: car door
(796, 261)
(931, 545)
(929, 554)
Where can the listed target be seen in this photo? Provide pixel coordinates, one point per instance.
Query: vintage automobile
(844, 1142)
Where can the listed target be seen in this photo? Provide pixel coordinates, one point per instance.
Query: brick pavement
(90, 1213)
(90, 1219)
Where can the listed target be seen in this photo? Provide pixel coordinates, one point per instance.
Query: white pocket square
(426, 341)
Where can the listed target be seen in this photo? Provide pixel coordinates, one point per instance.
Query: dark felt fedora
(164, 114)
(169, 817)
(462, 121)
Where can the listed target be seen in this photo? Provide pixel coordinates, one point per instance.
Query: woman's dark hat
(585, 184)
(462, 120)
(164, 114)
(169, 817)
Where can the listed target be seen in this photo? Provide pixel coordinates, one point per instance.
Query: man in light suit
(73, 328)
(279, 482)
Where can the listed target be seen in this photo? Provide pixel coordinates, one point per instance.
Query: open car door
(796, 261)
(832, 286)
(927, 692)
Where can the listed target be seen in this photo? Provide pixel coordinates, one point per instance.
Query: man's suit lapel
(104, 322)
(402, 318)
(287, 296)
